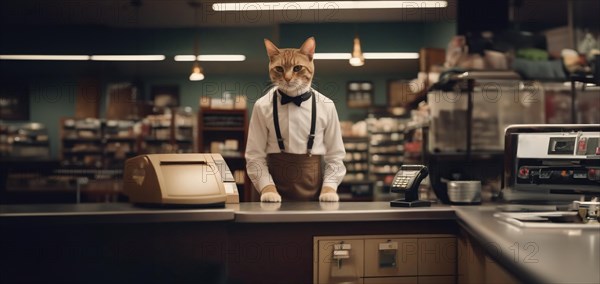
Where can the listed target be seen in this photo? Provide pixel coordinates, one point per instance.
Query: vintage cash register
(551, 163)
(179, 180)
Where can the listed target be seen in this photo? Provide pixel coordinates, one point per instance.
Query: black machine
(551, 163)
(407, 181)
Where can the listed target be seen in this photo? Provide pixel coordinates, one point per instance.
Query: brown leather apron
(298, 177)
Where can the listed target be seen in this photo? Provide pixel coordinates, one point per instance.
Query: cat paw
(329, 197)
(269, 194)
(328, 194)
(270, 197)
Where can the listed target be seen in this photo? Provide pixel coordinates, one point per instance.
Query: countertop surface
(544, 255)
(558, 255)
(256, 212)
(107, 213)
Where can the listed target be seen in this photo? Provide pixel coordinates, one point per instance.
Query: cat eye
(297, 68)
(279, 69)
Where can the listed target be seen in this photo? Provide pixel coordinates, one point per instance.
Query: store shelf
(386, 132)
(32, 143)
(82, 139)
(355, 138)
(357, 161)
(120, 139)
(357, 171)
(157, 140)
(381, 143)
(97, 152)
(386, 144)
(223, 129)
(160, 126)
(399, 153)
(94, 152)
(24, 140)
(222, 111)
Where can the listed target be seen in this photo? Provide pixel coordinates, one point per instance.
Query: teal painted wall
(53, 84)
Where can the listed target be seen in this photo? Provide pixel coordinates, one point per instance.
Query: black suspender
(313, 124)
(276, 122)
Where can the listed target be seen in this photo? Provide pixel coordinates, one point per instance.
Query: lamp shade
(197, 74)
(357, 58)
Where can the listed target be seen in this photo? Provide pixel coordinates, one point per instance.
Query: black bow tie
(297, 100)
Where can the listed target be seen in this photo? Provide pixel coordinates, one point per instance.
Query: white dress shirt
(262, 139)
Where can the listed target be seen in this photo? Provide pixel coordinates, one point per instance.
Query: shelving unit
(157, 133)
(92, 155)
(93, 143)
(225, 131)
(356, 185)
(120, 142)
(81, 143)
(169, 132)
(386, 149)
(24, 140)
(183, 128)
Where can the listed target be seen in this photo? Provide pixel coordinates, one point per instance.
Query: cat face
(292, 69)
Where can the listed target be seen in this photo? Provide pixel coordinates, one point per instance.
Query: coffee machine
(551, 163)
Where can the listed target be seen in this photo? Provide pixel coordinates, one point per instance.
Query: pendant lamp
(357, 58)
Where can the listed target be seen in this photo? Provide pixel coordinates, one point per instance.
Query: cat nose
(287, 79)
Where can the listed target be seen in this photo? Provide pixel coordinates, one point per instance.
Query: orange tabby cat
(293, 162)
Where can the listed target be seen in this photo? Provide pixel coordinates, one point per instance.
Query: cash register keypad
(401, 181)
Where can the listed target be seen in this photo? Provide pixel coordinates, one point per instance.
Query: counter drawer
(437, 256)
(391, 280)
(391, 257)
(349, 270)
(412, 280)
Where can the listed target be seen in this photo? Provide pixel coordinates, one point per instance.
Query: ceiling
(178, 13)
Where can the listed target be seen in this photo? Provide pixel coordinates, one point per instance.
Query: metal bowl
(464, 191)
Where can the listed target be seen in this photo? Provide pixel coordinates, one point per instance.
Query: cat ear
(308, 47)
(271, 48)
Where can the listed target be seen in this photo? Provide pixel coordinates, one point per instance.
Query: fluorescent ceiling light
(344, 56)
(45, 57)
(327, 5)
(369, 55)
(212, 57)
(128, 57)
(391, 55)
